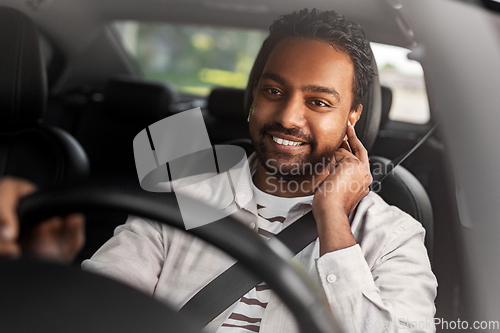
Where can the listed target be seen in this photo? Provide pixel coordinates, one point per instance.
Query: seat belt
(236, 281)
(400, 159)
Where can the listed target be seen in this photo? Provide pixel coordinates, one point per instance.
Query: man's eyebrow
(322, 89)
(309, 88)
(276, 77)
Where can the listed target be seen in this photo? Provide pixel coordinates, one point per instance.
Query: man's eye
(319, 103)
(273, 91)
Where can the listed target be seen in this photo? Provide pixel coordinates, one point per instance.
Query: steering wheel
(303, 297)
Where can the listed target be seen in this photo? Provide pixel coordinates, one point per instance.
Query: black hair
(329, 26)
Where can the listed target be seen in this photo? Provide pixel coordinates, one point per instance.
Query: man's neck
(287, 187)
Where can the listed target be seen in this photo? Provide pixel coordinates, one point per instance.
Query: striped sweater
(274, 213)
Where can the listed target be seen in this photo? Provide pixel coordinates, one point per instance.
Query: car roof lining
(62, 20)
(83, 18)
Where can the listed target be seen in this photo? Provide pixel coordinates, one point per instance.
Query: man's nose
(291, 112)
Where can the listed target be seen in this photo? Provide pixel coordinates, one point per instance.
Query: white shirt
(376, 285)
(273, 215)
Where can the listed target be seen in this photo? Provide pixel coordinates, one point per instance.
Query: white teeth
(286, 142)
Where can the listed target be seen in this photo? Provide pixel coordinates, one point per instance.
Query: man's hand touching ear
(56, 239)
(340, 193)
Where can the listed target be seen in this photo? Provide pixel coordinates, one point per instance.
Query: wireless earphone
(345, 136)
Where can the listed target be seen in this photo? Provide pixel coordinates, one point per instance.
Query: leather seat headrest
(386, 105)
(227, 103)
(369, 123)
(23, 85)
(133, 99)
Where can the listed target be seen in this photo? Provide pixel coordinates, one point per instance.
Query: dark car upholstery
(45, 155)
(106, 129)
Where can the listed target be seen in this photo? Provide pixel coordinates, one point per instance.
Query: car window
(192, 58)
(405, 77)
(196, 58)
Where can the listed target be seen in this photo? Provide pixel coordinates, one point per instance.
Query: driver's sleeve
(134, 255)
(385, 282)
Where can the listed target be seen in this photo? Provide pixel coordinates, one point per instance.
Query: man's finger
(345, 145)
(10, 250)
(11, 190)
(356, 146)
(42, 241)
(56, 239)
(340, 154)
(73, 232)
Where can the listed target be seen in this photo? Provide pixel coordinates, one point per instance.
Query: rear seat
(106, 132)
(226, 118)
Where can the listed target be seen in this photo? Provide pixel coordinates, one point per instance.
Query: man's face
(303, 96)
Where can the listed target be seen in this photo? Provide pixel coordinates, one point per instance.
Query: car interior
(72, 99)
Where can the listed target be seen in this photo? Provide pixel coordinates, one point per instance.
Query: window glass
(196, 58)
(405, 77)
(192, 58)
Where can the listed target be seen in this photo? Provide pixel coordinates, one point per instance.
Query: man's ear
(355, 114)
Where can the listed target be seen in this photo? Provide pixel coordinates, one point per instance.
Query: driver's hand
(339, 194)
(56, 239)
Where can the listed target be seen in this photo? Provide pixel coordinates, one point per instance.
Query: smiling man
(370, 259)
(313, 71)
(304, 104)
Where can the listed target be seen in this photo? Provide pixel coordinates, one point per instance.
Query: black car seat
(226, 117)
(400, 188)
(386, 105)
(106, 129)
(45, 155)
